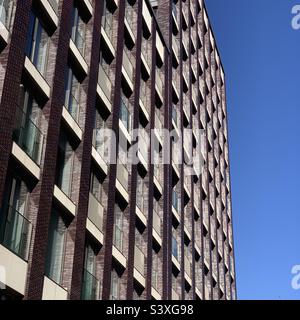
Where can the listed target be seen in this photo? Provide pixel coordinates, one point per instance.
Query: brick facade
(159, 61)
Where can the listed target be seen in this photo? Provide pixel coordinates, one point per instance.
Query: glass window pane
(114, 294)
(78, 31)
(37, 44)
(42, 52)
(96, 186)
(72, 94)
(15, 229)
(90, 259)
(55, 253)
(64, 165)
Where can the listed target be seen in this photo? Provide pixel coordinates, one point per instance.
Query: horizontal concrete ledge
(108, 42)
(22, 157)
(79, 58)
(198, 249)
(99, 161)
(94, 231)
(103, 97)
(176, 263)
(147, 17)
(127, 79)
(50, 12)
(64, 200)
(119, 257)
(188, 234)
(155, 294)
(4, 33)
(143, 108)
(131, 34)
(188, 278)
(37, 78)
(139, 278)
(88, 6)
(198, 293)
(15, 270)
(145, 64)
(53, 291)
(141, 216)
(71, 123)
(175, 214)
(122, 191)
(157, 237)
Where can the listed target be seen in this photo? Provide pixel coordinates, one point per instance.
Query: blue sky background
(261, 56)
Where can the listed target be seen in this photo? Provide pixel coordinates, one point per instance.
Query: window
(72, 94)
(26, 133)
(78, 31)
(37, 44)
(142, 194)
(175, 248)
(96, 187)
(90, 286)
(130, 15)
(107, 20)
(154, 269)
(187, 262)
(118, 241)
(15, 228)
(138, 239)
(139, 192)
(99, 125)
(157, 213)
(115, 286)
(56, 247)
(104, 73)
(104, 62)
(64, 167)
(175, 200)
(174, 282)
(90, 258)
(127, 62)
(5, 12)
(125, 115)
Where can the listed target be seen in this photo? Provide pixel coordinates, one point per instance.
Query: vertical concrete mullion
(109, 227)
(226, 204)
(233, 295)
(79, 250)
(214, 177)
(213, 217)
(151, 167)
(36, 271)
(167, 219)
(200, 179)
(167, 200)
(192, 213)
(181, 181)
(220, 186)
(226, 243)
(130, 264)
(207, 142)
(11, 85)
(206, 45)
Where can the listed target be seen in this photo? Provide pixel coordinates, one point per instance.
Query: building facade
(73, 225)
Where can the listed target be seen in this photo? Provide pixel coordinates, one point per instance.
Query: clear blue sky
(261, 56)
